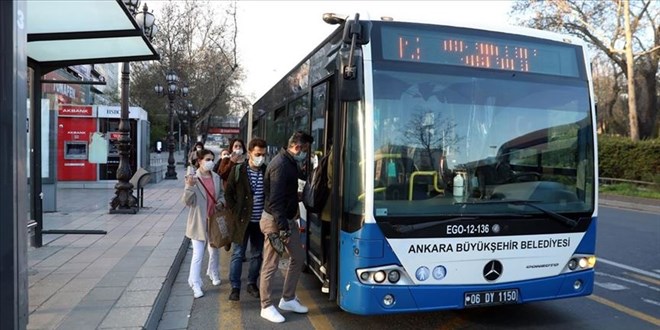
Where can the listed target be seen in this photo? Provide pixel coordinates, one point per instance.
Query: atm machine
(75, 124)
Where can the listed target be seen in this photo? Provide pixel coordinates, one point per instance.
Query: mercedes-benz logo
(493, 270)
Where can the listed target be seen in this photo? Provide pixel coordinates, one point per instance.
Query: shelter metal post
(13, 235)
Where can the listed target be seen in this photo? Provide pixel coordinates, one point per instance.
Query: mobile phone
(191, 171)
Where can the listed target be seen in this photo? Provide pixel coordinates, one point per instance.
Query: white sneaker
(271, 313)
(197, 291)
(215, 278)
(293, 305)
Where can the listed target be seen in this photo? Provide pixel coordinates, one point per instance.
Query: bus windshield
(448, 143)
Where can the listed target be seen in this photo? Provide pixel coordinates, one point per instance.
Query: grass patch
(627, 189)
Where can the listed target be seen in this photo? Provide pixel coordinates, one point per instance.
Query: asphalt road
(626, 295)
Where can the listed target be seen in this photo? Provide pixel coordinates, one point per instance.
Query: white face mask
(238, 152)
(224, 156)
(258, 161)
(208, 166)
(199, 148)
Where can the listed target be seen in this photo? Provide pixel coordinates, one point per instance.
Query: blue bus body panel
(368, 248)
(588, 243)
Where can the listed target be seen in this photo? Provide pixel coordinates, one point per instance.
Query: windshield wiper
(408, 228)
(555, 216)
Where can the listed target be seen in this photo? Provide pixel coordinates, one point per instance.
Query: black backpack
(316, 193)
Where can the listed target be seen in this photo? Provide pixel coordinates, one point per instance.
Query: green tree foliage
(602, 24)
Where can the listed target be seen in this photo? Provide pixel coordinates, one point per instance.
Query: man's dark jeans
(256, 239)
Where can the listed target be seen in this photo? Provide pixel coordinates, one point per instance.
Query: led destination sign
(471, 50)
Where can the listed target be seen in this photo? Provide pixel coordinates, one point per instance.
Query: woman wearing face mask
(204, 195)
(238, 154)
(192, 156)
(223, 154)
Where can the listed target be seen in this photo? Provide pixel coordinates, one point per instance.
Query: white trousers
(195, 276)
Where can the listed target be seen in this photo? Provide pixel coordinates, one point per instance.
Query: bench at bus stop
(140, 178)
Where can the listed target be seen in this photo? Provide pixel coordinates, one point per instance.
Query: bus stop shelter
(44, 35)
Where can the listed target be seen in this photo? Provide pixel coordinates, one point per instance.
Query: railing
(615, 180)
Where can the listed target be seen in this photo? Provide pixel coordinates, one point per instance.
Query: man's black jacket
(281, 188)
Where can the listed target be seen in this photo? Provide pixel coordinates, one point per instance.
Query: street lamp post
(190, 116)
(173, 91)
(124, 202)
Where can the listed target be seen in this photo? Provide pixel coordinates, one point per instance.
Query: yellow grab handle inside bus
(434, 174)
(376, 190)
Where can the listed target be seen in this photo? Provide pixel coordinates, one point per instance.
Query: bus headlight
(591, 261)
(580, 262)
(364, 276)
(393, 276)
(583, 263)
(379, 276)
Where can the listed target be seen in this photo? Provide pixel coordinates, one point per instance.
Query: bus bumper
(358, 298)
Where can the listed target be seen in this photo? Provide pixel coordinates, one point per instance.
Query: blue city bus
(464, 168)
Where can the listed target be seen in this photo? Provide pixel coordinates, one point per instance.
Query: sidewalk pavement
(123, 279)
(634, 203)
(118, 280)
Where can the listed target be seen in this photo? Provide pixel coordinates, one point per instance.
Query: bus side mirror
(351, 87)
(356, 34)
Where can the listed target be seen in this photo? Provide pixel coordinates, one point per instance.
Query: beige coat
(195, 198)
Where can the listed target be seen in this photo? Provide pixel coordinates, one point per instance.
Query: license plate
(489, 298)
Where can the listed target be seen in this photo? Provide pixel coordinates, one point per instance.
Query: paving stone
(87, 315)
(137, 298)
(116, 278)
(126, 317)
(146, 283)
(109, 293)
(153, 271)
(80, 284)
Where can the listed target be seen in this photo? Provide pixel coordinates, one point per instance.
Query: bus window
(319, 106)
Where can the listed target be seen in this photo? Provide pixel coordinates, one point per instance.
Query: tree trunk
(647, 99)
(630, 75)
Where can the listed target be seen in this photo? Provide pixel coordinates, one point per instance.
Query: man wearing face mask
(245, 199)
(279, 226)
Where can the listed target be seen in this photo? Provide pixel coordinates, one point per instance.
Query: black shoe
(235, 294)
(253, 290)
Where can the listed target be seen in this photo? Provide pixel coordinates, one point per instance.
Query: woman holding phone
(237, 155)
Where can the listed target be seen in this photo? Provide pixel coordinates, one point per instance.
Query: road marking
(611, 286)
(624, 309)
(652, 302)
(629, 281)
(630, 268)
(316, 317)
(643, 278)
(229, 312)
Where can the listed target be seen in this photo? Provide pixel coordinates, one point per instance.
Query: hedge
(621, 158)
